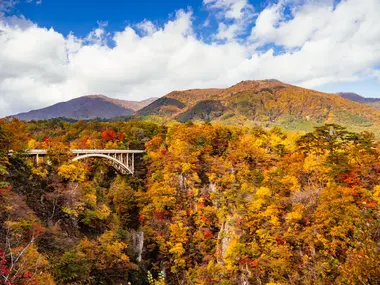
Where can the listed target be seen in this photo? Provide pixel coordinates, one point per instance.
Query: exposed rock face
(224, 239)
(137, 243)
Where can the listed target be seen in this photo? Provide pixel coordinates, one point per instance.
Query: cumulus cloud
(232, 9)
(234, 17)
(40, 66)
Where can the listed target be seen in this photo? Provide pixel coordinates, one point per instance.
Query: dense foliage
(208, 204)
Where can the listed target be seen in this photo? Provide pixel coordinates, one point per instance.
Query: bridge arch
(121, 160)
(117, 164)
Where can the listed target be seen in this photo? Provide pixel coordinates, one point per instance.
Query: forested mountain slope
(265, 103)
(207, 205)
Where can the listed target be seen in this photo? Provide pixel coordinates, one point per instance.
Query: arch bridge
(122, 161)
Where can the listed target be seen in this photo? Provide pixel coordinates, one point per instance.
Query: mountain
(264, 103)
(87, 107)
(375, 102)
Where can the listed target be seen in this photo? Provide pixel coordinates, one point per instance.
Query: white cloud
(40, 66)
(232, 9)
(234, 16)
(5, 5)
(147, 27)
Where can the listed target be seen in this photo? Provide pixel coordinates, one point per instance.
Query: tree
(73, 171)
(13, 135)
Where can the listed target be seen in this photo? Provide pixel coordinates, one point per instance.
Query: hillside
(87, 107)
(265, 103)
(207, 204)
(374, 102)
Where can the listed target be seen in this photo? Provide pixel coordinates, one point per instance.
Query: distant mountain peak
(374, 102)
(352, 96)
(258, 82)
(94, 96)
(87, 107)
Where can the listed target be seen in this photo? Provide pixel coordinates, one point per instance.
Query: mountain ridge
(375, 102)
(266, 103)
(86, 107)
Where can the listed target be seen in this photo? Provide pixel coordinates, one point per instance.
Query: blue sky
(55, 50)
(81, 16)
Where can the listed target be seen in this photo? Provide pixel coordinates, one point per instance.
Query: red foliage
(20, 278)
(255, 263)
(154, 143)
(38, 229)
(247, 260)
(244, 261)
(369, 204)
(46, 140)
(205, 219)
(280, 240)
(207, 233)
(120, 136)
(377, 167)
(109, 135)
(350, 178)
(83, 142)
(141, 218)
(160, 215)
(28, 274)
(5, 189)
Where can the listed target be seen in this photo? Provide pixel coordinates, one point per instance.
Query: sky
(57, 50)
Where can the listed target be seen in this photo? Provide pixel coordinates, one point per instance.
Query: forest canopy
(207, 204)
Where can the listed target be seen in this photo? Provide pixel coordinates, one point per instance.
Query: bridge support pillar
(133, 163)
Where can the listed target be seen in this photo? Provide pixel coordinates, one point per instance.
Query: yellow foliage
(103, 212)
(106, 252)
(40, 171)
(256, 204)
(33, 261)
(73, 171)
(231, 255)
(263, 192)
(70, 211)
(296, 214)
(292, 182)
(32, 143)
(90, 199)
(178, 232)
(177, 250)
(312, 162)
(111, 145)
(376, 194)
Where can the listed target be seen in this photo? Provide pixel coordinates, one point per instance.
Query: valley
(206, 203)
